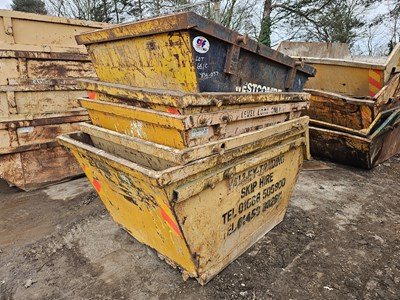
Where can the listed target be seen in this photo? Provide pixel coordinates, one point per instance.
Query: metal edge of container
(182, 99)
(165, 119)
(376, 125)
(388, 124)
(184, 156)
(387, 92)
(158, 178)
(78, 116)
(336, 96)
(42, 48)
(43, 85)
(342, 62)
(8, 53)
(68, 141)
(348, 61)
(21, 83)
(30, 117)
(185, 21)
(182, 122)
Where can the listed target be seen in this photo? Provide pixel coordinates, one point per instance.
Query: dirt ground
(340, 239)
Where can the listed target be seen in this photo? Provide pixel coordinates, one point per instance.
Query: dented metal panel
(189, 53)
(389, 96)
(341, 110)
(370, 130)
(181, 131)
(354, 113)
(170, 210)
(363, 149)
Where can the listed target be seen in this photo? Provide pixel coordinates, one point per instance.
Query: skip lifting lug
(217, 102)
(229, 173)
(243, 39)
(219, 150)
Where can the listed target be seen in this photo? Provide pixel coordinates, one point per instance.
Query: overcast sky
(5, 3)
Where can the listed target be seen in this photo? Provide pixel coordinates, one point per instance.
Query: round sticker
(201, 44)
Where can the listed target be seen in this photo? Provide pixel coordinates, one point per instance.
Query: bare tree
(387, 21)
(277, 12)
(114, 11)
(315, 20)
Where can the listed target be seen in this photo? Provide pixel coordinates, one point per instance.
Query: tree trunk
(265, 32)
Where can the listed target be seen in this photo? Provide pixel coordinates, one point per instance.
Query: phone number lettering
(253, 205)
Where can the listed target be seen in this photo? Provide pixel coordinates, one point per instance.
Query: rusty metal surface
(182, 131)
(208, 56)
(185, 21)
(4, 53)
(102, 90)
(45, 119)
(26, 71)
(26, 84)
(23, 135)
(45, 85)
(79, 112)
(59, 69)
(341, 110)
(387, 143)
(40, 62)
(378, 145)
(354, 113)
(161, 155)
(374, 127)
(163, 201)
(340, 147)
(40, 166)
